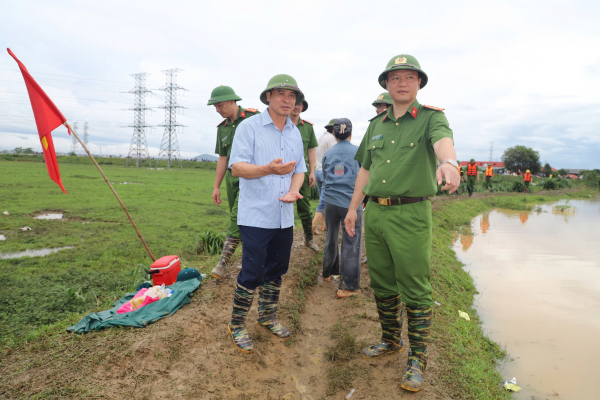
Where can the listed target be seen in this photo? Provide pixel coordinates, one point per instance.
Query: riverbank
(189, 355)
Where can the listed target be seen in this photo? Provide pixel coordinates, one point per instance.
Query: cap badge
(380, 97)
(400, 60)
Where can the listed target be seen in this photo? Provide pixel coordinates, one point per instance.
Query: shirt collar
(413, 110)
(266, 119)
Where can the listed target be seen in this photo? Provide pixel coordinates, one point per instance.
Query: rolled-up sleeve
(242, 149)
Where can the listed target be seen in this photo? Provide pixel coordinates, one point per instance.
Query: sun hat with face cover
(342, 128)
(403, 61)
(282, 81)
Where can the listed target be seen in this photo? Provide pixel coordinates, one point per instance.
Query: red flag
(47, 118)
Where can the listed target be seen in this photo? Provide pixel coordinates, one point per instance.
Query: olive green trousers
(303, 205)
(232, 185)
(398, 243)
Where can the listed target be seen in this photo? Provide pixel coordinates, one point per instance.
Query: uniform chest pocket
(376, 149)
(411, 150)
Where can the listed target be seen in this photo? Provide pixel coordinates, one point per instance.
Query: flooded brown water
(538, 275)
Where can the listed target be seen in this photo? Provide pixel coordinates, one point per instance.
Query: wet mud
(538, 275)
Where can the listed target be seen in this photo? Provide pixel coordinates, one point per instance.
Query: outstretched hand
(291, 197)
(277, 168)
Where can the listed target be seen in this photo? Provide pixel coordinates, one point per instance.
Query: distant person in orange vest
(526, 181)
(472, 174)
(485, 222)
(489, 174)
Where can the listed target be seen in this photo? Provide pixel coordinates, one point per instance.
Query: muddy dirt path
(190, 355)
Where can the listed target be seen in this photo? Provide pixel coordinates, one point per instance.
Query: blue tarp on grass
(140, 318)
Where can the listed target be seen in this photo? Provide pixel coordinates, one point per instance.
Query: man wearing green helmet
(399, 155)
(268, 157)
(382, 103)
(310, 143)
(224, 99)
(472, 176)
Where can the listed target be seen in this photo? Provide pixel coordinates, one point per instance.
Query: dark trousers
(266, 255)
(349, 268)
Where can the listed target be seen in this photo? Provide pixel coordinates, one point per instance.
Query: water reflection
(33, 253)
(538, 274)
(49, 216)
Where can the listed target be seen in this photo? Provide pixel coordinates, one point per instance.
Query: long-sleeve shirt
(258, 141)
(326, 141)
(339, 173)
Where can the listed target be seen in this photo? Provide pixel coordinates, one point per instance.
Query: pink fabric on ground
(128, 307)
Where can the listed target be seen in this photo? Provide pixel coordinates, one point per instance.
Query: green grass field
(171, 209)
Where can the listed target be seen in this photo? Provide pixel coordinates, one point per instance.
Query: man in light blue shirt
(268, 157)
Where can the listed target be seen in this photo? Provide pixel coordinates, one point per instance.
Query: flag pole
(113, 190)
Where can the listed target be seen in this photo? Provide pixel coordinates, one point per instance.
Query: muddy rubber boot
(242, 301)
(268, 298)
(229, 247)
(308, 235)
(390, 317)
(419, 329)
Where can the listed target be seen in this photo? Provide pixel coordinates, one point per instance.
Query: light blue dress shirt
(258, 141)
(339, 174)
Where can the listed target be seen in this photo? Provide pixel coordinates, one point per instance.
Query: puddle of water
(538, 274)
(2, 238)
(49, 216)
(131, 183)
(33, 253)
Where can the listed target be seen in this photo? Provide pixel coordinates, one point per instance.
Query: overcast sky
(511, 72)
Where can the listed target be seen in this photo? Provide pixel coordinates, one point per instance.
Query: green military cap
(331, 123)
(304, 105)
(282, 81)
(472, 160)
(403, 61)
(384, 98)
(222, 93)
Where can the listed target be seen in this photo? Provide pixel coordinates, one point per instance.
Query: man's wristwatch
(451, 162)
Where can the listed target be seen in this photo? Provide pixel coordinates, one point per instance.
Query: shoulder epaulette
(224, 121)
(378, 115)
(252, 110)
(433, 108)
(308, 121)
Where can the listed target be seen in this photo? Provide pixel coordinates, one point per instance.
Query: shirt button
(388, 161)
(373, 146)
(384, 181)
(396, 124)
(234, 125)
(411, 145)
(393, 142)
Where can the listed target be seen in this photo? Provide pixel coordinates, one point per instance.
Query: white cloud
(509, 72)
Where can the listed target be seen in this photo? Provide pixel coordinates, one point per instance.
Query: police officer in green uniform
(399, 155)
(224, 99)
(309, 140)
(383, 103)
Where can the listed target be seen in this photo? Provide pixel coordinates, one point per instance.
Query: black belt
(394, 201)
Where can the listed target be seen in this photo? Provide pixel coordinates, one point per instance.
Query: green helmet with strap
(331, 123)
(222, 93)
(403, 61)
(282, 81)
(383, 98)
